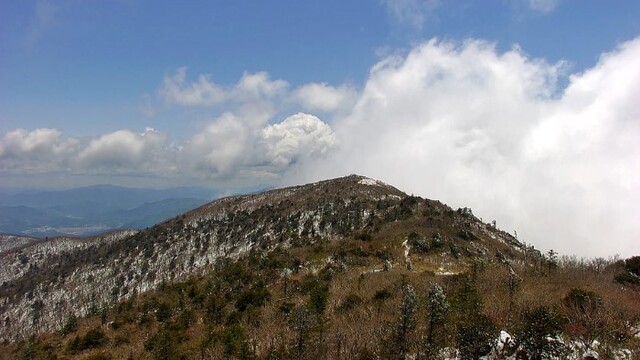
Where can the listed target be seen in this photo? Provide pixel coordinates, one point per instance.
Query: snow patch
(370, 182)
(445, 273)
(406, 249)
(442, 272)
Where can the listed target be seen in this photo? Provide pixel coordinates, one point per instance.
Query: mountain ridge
(118, 266)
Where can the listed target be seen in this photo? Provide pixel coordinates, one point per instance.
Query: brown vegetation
(318, 301)
(336, 284)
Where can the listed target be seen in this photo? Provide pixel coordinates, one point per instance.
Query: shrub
(363, 236)
(583, 301)
(418, 243)
(381, 295)
(539, 334)
(631, 275)
(99, 356)
(214, 309)
(94, 338)
(585, 320)
(632, 265)
(301, 321)
(286, 307)
(254, 297)
(163, 312)
(476, 338)
(120, 339)
(234, 342)
(350, 302)
(318, 300)
(627, 278)
(70, 325)
(163, 344)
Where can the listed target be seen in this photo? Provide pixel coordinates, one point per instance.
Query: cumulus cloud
(472, 126)
(300, 135)
(49, 151)
(36, 151)
(123, 151)
(324, 97)
(237, 143)
(259, 85)
(252, 90)
(175, 89)
(221, 147)
(202, 92)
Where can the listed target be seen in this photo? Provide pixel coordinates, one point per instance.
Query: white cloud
(299, 135)
(123, 151)
(202, 92)
(221, 147)
(471, 126)
(259, 85)
(323, 97)
(237, 143)
(544, 6)
(411, 12)
(205, 92)
(36, 151)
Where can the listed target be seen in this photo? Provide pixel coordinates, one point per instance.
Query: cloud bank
(460, 122)
(471, 126)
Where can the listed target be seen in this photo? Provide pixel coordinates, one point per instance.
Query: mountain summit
(332, 269)
(41, 284)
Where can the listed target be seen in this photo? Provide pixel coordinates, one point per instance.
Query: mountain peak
(354, 211)
(350, 188)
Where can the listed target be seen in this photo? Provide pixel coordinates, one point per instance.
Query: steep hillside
(326, 270)
(38, 296)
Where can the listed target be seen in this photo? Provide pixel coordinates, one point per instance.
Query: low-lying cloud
(235, 144)
(122, 150)
(460, 122)
(33, 152)
(471, 126)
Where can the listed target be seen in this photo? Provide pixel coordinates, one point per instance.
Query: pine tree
(514, 283)
(409, 309)
(539, 334)
(438, 307)
(552, 260)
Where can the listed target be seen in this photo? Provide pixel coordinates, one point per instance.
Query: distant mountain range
(95, 209)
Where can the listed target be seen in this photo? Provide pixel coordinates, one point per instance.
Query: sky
(527, 111)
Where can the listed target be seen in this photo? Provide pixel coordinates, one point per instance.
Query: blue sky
(85, 67)
(525, 110)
